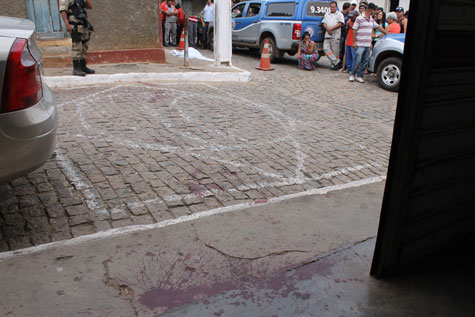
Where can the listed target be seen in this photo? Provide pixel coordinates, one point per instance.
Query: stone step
(53, 42)
(56, 52)
(57, 61)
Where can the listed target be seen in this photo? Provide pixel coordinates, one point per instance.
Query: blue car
(280, 22)
(386, 60)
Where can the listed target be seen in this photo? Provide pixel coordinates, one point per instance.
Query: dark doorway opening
(394, 4)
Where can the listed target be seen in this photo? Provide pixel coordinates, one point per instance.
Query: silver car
(28, 115)
(386, 60)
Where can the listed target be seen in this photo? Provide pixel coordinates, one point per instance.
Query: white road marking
(200, 215)
(92, 201)
(71, 174)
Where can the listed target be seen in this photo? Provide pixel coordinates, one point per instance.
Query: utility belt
(76, 36)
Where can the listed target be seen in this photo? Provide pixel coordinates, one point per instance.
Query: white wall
(404, 4)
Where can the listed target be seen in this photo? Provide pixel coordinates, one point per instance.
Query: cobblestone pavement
(144, 153)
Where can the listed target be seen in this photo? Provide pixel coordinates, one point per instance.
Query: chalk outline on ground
(94, 204)
(287, 123)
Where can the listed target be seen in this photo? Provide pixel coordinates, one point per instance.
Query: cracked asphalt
(135, 154)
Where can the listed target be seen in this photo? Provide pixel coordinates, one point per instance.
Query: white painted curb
(199, 215)
(92, 80)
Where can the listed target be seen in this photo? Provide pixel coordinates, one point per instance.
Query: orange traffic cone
(182, 41)
(265, 61)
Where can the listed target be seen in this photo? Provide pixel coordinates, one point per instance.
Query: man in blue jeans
(362, 32)
(207, 17)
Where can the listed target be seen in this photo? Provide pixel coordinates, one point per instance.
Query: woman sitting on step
(307, 55)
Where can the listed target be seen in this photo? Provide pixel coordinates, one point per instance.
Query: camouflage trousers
(80, 42)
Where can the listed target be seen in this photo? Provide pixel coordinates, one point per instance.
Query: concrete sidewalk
(173, 70)
(302, 256)
(148, 272)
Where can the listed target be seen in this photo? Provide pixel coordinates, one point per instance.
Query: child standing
(350, 50)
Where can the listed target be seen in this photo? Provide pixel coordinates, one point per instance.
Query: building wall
(124, 24)
(404, 4)
(15, 8)
(118, 24)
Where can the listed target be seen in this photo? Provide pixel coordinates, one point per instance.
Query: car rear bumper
(27, 138)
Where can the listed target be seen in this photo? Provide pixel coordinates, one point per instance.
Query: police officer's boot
(77, 70)
(86, 69)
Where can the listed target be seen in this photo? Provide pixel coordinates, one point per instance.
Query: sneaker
(344, 70)
(352, 78)
(359, 79)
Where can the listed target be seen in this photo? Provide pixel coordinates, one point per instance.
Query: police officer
(74, 14)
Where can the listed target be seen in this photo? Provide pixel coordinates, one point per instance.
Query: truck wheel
(254, 51)
(319, 56)
(273, 51)
(389, 73)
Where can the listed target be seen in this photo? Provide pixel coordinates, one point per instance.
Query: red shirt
(181, 17)
(394, 28)
(163, 6)
(349, 36)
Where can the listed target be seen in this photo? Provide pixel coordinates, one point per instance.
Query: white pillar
(222, 33)
(387, 4)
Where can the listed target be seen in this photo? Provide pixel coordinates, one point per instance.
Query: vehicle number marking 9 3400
(317, 8)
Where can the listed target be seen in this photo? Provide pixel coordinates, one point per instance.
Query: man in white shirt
(332, 22)
(207, 17)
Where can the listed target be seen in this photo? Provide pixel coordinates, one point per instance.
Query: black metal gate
(429, 200)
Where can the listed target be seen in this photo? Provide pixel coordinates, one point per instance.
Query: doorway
(45, 15)
(393, 5)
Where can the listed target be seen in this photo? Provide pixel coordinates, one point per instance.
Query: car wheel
(389, 73)
(273, 51)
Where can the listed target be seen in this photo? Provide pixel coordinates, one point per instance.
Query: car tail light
(296, 31)
(22, 81)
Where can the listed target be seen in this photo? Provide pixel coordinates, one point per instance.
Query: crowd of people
(350, 36)
(173, 22)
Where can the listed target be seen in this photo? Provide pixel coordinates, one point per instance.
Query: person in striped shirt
(192, 30)
(362, 36)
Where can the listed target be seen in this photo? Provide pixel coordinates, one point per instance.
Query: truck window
(253, 10)
(317, 8)
(281, 9)
(237, 10)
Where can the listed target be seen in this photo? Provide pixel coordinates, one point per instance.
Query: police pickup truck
(281, 22)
